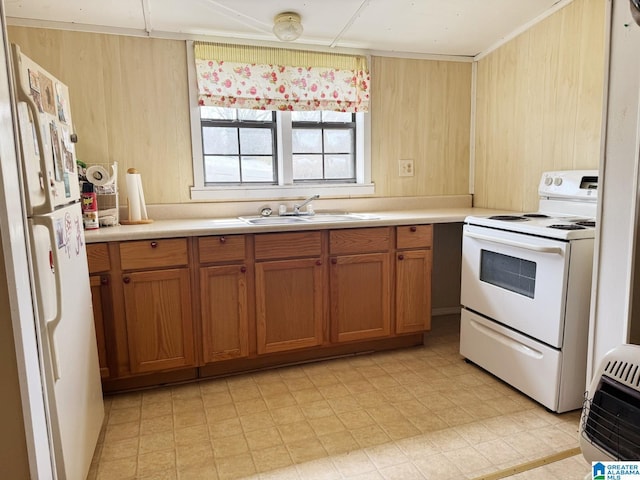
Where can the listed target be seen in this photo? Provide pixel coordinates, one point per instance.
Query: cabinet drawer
(288, 245)
(360, 240)
(153, 253)
(221, 248)
(414, 236)
(98, 257)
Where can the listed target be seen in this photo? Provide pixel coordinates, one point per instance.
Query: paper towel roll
(143, 204)
(137, 206)
(98, 175)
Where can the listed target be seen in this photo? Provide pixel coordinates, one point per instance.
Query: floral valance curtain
(265, 78)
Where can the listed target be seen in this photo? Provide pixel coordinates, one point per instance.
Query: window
(323, 146)
(238, 146)
(242, 153)
(262, 129)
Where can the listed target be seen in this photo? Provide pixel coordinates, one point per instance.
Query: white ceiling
(439, 27)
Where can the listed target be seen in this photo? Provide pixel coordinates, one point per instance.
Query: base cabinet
(101, 300)
(225, 269)
(360, 297)
(159, 322)
(413, 264)
(289, 291)
(157, 299)
(172, 310)
(224, 313)
(360, 283)
(413, 287)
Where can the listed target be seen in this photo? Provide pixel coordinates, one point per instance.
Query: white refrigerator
(59, 277)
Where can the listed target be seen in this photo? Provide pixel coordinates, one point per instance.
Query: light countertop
(168, 228)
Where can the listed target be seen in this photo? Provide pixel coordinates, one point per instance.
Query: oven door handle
(506, 341)
(511, 243)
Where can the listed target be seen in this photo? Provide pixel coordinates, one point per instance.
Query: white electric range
(525, 293)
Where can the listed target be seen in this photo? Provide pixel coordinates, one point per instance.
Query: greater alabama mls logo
(598, 471)
(615, 470)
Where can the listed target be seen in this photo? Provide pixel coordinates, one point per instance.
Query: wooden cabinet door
(159, 320)
(360, 297)
(289, 304)
(225, 321)
(101, 300)
(413, 291)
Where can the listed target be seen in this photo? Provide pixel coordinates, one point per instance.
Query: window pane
(257, 169)
(306, 116)
(306, 140)
(339, 167)
(221, 169)
(341, 117)
(338, 141)
(255, 115)
(218, 113)
(220, 141)
(307, 167)
(256, 141)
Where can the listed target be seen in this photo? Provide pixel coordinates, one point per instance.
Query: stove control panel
(569, 184)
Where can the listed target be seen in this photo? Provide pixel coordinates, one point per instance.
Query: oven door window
(511, 273)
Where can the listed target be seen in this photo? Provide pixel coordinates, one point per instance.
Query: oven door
(517, 280)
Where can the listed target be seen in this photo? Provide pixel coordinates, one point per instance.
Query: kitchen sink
(340, 217)
(317, 218)
(272, 220)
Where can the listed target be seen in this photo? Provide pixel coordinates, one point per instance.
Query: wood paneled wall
(129, 102)
(420, 110)
(539, 106)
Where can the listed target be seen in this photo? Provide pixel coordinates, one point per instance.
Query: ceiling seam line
(146, 13)
(351, 21)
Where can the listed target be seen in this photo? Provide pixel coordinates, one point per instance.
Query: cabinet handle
(413, 229)
(243, 269)
(334, 261)
(318, 262)
(400, 257)
(154, 244)
(104, 280)
(223, 240)
(126, 280)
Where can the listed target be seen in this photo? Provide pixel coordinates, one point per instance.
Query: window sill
(280, 191)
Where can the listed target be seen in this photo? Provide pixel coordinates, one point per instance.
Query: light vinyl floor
(418, 413)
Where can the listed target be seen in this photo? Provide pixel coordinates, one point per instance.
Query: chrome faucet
(298, 206)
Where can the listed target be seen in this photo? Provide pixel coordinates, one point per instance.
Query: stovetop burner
(567, 226)
(586, 223)
(509, 218)
(536, 215)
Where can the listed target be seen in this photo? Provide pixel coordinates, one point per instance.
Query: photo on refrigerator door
(34, 85)
(60, 103)
(67, 151)
(46, 92)
(59, 233)
(58, 167)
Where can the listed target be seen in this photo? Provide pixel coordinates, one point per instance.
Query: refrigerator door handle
(51, 325)
(34, 118)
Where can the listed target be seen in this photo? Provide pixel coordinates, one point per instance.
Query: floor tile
(416, 413)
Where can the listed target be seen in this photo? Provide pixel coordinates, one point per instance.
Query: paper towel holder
(135, 189)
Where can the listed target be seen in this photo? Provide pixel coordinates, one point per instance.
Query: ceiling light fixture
(287, 26)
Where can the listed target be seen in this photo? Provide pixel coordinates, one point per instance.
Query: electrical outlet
(405, 168)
